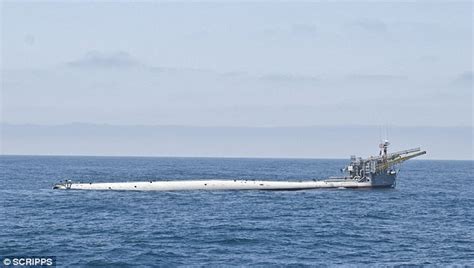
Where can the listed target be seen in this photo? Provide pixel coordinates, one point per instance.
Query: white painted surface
(214, 185)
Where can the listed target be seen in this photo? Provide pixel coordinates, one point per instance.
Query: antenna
(380, 133)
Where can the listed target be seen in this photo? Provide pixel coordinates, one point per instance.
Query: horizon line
(210, 157)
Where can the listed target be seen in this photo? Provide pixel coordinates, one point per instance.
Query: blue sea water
(427, 219)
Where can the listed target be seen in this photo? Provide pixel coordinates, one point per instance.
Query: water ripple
(427, 220)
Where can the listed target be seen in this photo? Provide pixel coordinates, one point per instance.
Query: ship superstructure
(380, 171)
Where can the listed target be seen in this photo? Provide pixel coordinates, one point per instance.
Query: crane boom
(398, 159)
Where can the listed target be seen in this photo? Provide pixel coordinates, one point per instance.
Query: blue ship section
(385, 179)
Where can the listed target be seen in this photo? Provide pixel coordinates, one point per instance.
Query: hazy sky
(306, 142)
(237, 64)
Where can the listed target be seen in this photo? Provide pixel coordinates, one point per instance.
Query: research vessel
(374, 171)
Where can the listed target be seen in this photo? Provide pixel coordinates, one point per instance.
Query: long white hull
(360, 173)
(215, 185)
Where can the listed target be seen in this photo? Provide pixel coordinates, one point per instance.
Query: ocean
(428, 219)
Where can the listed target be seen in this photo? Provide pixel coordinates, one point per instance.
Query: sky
(282, 142)
(286, 64)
